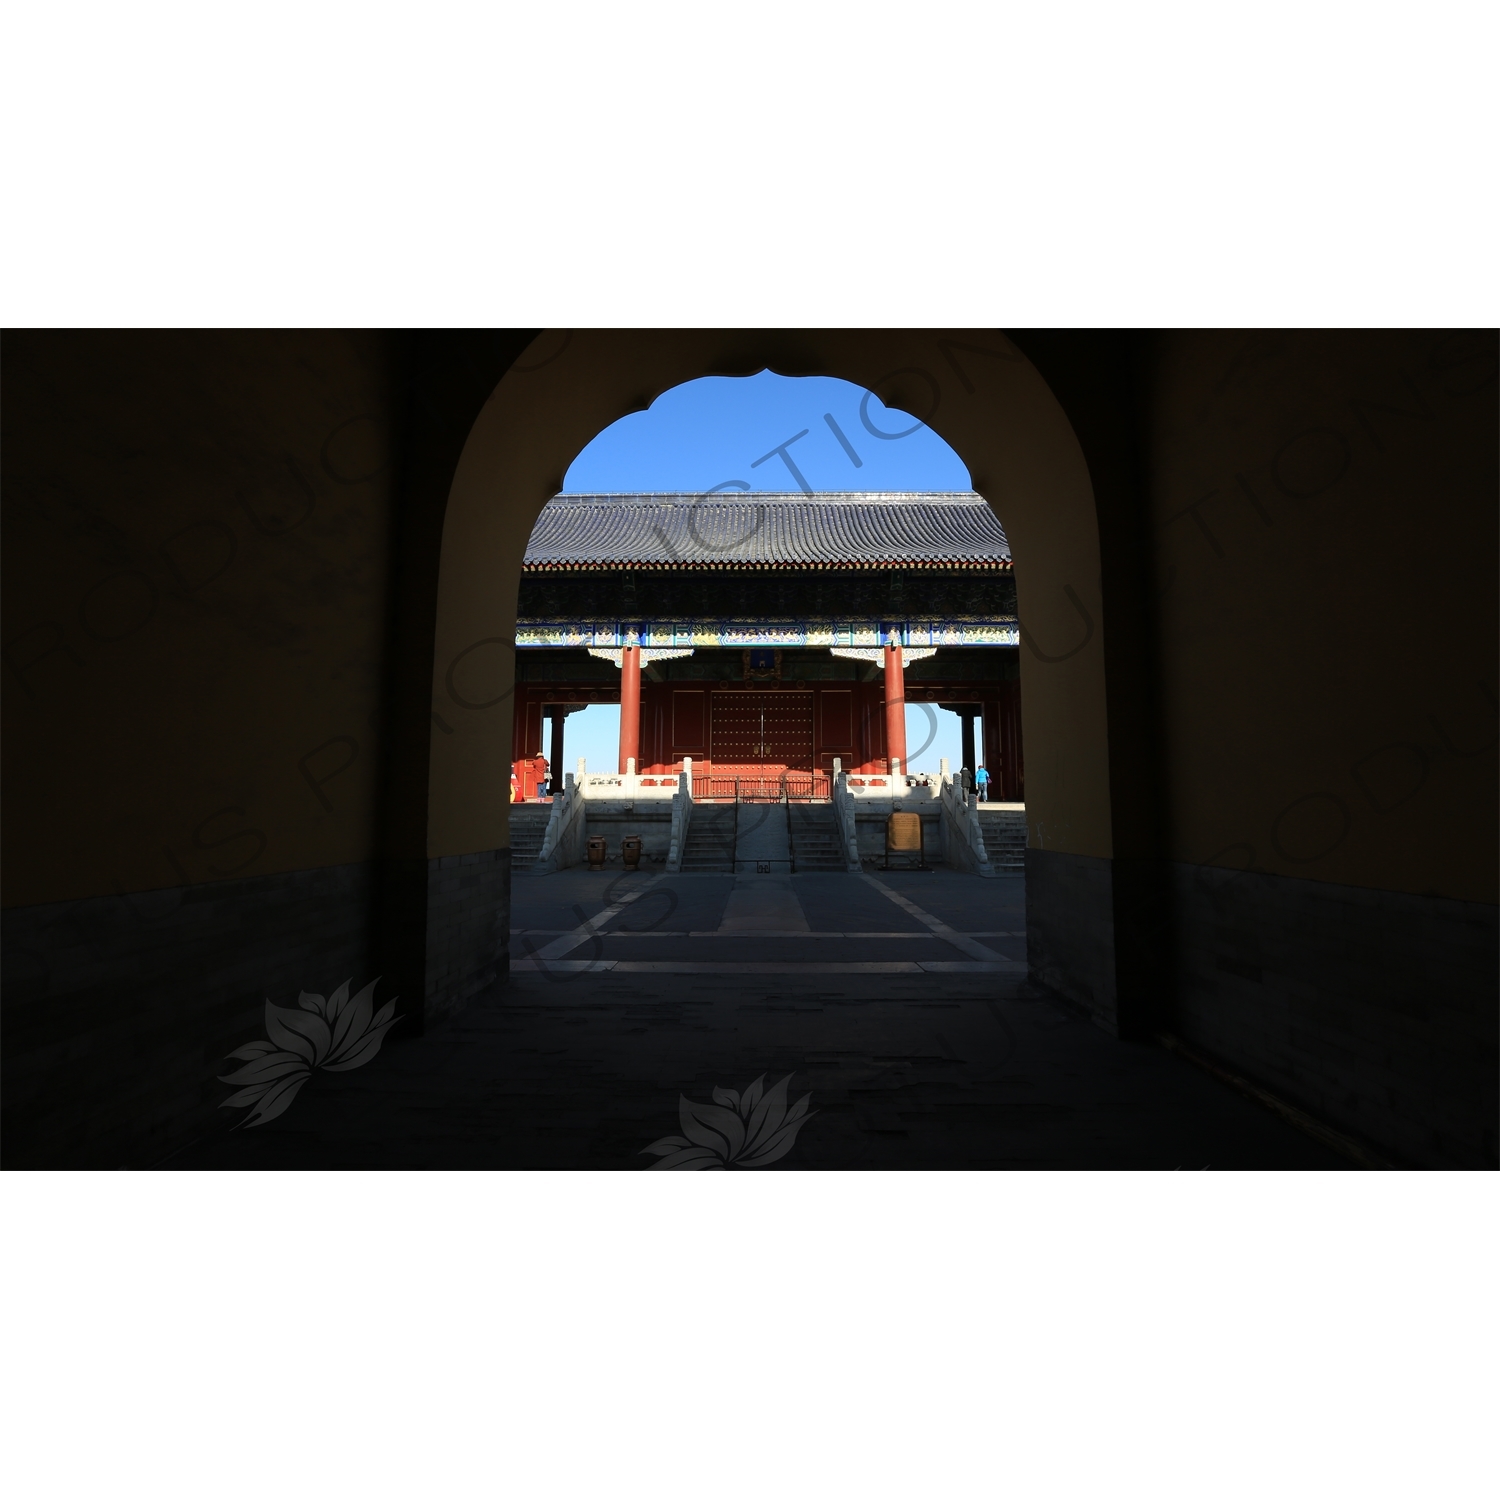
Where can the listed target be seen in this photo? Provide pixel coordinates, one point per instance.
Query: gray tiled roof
(847, 530)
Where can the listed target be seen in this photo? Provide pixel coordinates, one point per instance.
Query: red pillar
(630, 707)
(991, 757)
(1012, 780)
(895, 704)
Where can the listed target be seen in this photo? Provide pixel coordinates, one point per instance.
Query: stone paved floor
(898, 1002)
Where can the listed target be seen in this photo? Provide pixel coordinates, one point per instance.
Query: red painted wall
(1002, 754)
(848, 721)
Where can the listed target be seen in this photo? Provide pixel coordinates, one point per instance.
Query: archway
(983, 397)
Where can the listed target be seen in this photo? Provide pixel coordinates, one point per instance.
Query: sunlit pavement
(897, 1001)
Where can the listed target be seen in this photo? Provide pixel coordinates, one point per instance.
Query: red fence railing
(794, 786)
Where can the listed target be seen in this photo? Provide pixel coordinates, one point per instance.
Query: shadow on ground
(957, 1065)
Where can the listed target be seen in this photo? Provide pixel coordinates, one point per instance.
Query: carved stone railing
(843, 812)
(565, 841)
(682, 816)
(963, 838)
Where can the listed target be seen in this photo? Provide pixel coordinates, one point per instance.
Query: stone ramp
(762, 846)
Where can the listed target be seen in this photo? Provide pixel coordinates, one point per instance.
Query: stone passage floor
(897, 1001)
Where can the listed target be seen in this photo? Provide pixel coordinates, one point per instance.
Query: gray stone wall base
(1070, 931)
(1375, 1011)
(468, 929)
(120, 1010)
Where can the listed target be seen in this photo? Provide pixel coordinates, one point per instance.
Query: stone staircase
(816, 844)
(1004, 831)
(528, 827)
(710, 841)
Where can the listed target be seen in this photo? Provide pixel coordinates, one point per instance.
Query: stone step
(816, 844)
(1004, 837)
(1004, 831)
(710, 841)
(528, 830)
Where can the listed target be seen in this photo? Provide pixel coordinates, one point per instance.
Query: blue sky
(710, 432)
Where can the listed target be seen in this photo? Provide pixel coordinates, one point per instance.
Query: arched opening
(789, 515)
(982, 397)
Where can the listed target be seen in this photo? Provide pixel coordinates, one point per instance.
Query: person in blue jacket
(982, 781)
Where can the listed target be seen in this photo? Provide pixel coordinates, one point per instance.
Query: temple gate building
(769, 635)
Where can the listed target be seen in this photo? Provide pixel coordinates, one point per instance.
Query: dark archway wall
(1304, 785)
(1323, 510)
(197, 549)
(219, 553)
(223, 688)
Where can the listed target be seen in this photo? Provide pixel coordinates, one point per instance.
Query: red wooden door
(763, 731)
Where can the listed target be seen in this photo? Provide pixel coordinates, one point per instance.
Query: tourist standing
(982, 780)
